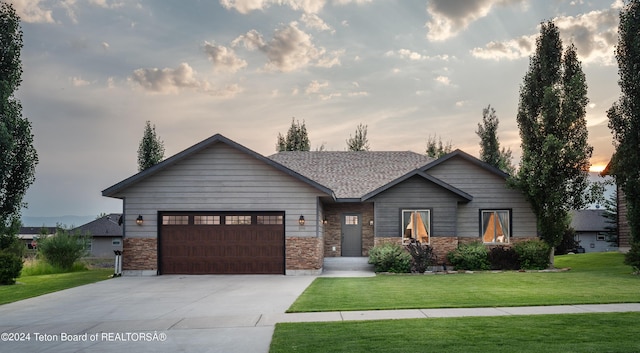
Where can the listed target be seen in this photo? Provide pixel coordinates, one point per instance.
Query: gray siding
(489, 191)
(415, 193)
(220, 178)
(103, 246)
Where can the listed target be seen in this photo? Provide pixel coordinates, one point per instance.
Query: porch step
(347, 264)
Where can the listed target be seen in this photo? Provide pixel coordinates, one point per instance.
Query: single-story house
(220, 208)
(30, 235)
(590, 227)
(105, 234)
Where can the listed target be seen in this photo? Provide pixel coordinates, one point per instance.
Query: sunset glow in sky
(96, 70)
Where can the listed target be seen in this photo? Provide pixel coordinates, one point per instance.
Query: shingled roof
(349, 174)
(107, 226)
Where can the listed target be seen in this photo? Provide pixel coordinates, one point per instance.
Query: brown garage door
(222, 243)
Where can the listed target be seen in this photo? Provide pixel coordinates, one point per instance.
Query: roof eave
(465, 196)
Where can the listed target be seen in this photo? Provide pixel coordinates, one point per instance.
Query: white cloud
(289, 49)
(326, 97)
(594, 35)
(246, 6)
(315, 22)
(32, 11)
(79, 82)
(315, 86)
(443, 80)
(509, 50)
(168, 80)
(107, 4)
(105, 46)
(448, 18)
(252, 40)
(223, 58)
(358, 94)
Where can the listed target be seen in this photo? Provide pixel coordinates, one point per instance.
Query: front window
(416, 226)
(496, 227)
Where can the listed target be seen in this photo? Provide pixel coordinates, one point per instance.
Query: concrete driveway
(153, 314)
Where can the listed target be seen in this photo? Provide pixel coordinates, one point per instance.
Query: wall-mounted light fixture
(371, 222)
(139, 220)
(324, 221)
(301, 220)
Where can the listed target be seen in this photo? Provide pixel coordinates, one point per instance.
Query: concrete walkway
(447, 313)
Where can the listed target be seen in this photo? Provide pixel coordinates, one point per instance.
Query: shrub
(422, 257)
(568, 242)
(390, 258)
(10, 267)
(533, 254)
(62, 249)
(471, 256)
(33, 267)
(632, 258)
(503, 258)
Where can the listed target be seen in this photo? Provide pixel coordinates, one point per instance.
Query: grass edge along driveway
(594, 278)
(33, 286)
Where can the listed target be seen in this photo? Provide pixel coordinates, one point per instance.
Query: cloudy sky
(96, 70)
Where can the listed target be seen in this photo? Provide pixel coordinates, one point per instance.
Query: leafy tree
(18, 157)
(151, 149)
(359, 142)
(296, 139)
(490, 151)
(63, 249)
(553, 173)
(436, 149)
(624, 121)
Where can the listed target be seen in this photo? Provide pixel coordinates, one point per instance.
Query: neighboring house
(30, 235)
(624, 230)
(105, 234)
(590, 227)
(219, 207)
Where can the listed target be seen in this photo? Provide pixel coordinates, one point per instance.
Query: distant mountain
(66, 221)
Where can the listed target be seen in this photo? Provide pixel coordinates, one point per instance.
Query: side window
(416, 226)
(495, 226)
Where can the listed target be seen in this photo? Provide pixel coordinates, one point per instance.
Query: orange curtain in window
(494, 232)
(417, 229)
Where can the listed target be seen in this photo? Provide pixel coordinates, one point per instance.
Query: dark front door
(351, 234)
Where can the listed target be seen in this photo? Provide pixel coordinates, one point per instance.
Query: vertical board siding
(415, 193)
(489, 191)
(221, 178)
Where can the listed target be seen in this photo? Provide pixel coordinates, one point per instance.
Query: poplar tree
(624, 121)
(18, 157)
(490, 150)
(553, 173)
(151, 148)
(296, 139)
(359, 142)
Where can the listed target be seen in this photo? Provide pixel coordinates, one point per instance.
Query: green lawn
(610, 332)
(33, 286)
(593, 278)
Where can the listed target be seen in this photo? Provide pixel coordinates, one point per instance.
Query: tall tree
(359, 142)
(551, 116)
(18, 157)
(490, 151)
(151, 148)
(296, 139)
(437, 149)
(624, 121)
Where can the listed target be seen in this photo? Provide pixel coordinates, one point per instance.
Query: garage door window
(207, 220)
(171, 220)
(269, 219)
(237, 220)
